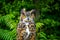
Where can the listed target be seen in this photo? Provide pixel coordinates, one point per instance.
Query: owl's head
(30, 13)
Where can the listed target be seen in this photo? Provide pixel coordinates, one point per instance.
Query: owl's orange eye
(24, 16)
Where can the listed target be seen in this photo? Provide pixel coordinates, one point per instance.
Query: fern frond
(8, 21)
(8, 35)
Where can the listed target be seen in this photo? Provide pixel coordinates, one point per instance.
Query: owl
(26, 29)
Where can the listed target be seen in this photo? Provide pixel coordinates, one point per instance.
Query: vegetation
(47, 22)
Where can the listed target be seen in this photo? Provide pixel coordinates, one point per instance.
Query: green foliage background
(47, 22)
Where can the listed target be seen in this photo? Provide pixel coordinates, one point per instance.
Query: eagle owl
(26, 27)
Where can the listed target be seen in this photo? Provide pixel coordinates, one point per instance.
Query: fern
(8, 35)
(8, 21)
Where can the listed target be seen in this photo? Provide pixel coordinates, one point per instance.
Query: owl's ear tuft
(23, 11)
(23, 14)
(33, 11)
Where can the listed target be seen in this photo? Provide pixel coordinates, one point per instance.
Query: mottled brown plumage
(26, 27)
